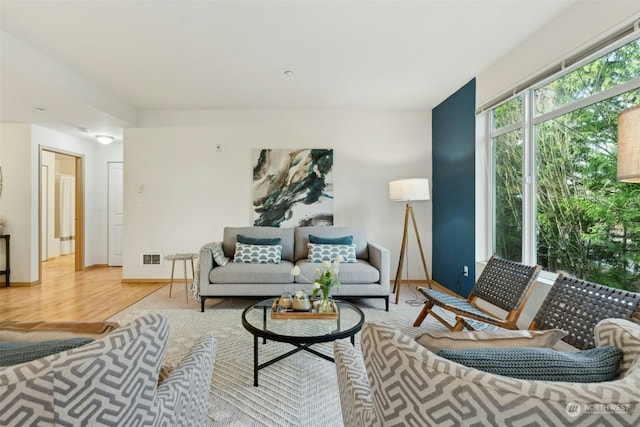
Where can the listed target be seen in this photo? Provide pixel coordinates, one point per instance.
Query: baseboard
(20, 284)
(94, 266)
(156, 280)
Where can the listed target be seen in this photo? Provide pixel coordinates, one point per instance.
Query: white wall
(191, 192)
(19, 145)
(581, 25)
(16, 201)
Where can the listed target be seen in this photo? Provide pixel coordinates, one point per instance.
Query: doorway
(61, 237)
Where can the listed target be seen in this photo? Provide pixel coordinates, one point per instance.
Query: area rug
(300, 390)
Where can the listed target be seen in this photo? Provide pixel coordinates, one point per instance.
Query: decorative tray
(280, 313)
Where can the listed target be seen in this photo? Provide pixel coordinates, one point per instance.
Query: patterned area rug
(300, 390)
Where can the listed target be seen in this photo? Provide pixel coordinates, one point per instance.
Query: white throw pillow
(460, 340)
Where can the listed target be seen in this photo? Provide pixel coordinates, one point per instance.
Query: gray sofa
(366, 278)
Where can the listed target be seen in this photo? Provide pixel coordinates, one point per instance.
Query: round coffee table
(301, 333)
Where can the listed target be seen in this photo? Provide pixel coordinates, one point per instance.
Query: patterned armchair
(399, 382)
(112, 381)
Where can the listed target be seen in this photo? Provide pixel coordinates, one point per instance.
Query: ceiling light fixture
(104, 139)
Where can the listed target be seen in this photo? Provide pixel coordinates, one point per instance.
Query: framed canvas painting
(292, 187)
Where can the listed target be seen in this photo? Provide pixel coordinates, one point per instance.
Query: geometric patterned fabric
(326, 252)
(112, 381)
(257, 254)
(398, 381)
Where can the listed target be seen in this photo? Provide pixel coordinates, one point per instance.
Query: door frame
(79, 208)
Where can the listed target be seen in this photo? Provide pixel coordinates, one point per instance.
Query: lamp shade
(403, 190)
(629, 145)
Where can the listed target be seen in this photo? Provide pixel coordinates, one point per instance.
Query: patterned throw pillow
(320, 253)
(532, 363)
(218, 254)
(257, 254)
(344, 240)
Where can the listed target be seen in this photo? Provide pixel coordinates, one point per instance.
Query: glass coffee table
(301, 333)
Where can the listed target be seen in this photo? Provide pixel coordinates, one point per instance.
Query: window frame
(528, 122)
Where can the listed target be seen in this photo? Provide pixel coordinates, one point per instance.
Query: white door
(116, 213)
(44, 214)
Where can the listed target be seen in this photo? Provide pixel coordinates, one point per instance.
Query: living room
(188, 162)
(379, 144)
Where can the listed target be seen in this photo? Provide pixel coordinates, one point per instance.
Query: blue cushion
(13, 353)
(533, 363)
(258, 240)
(344, 240)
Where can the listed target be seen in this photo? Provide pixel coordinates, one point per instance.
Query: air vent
(151, 259)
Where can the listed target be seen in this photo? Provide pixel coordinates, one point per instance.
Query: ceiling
(95, 64)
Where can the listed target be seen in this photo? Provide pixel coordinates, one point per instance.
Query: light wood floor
(64, 294)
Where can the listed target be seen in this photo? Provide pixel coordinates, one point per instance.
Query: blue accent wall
(453, 136)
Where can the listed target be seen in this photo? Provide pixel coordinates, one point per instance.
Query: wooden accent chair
(576, 306)
(505, 284)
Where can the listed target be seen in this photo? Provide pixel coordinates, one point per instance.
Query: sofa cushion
(343, 240)
(532, 363)
(460, 340)
(260, 254)
(259, 240)
(230, 238)
(13, 353)
(321, 253)
(302, 239)
(358, 272)
(238, 273)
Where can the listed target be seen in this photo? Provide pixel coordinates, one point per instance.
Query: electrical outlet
(465, 271)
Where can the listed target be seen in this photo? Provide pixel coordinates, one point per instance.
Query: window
(555, 162)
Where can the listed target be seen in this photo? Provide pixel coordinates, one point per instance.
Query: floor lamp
(408, 190)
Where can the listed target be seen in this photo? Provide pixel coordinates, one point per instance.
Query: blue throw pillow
(13, 353)
(258, 240)
(534, 363)
(344, 240)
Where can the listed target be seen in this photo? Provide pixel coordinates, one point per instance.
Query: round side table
(184, 258)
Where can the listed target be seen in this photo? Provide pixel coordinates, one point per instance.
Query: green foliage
(588, 224)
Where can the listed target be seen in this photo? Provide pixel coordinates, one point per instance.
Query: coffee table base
(299, 347)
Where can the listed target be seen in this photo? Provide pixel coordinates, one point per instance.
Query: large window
(556, 201)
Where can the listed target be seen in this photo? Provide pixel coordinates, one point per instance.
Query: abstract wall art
(292, 187)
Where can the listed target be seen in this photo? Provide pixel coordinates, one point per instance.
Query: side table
(7, 258)
(184, 258)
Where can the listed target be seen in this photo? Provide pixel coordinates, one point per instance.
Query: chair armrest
(184, 396)
(495, 322)
(353, 384)
(206, 265)
(380, 258)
